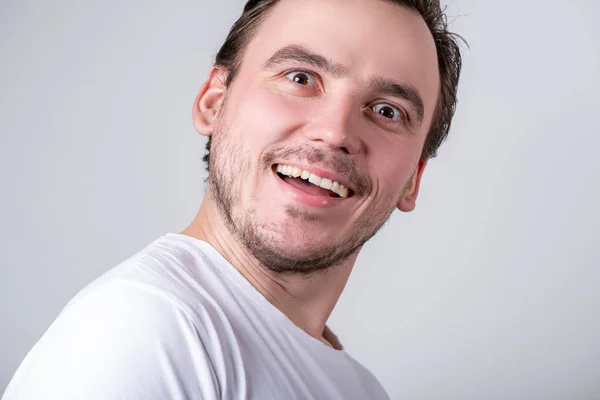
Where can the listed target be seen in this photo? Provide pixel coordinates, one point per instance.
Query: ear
(408, 201)
(208, 101)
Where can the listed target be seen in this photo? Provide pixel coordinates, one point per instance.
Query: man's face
(344, 90)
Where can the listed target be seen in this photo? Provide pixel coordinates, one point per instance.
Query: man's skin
(333, 112)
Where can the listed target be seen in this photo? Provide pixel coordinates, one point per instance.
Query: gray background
(489, 290)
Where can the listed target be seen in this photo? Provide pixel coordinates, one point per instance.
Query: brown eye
(387, 111)
(301, 78)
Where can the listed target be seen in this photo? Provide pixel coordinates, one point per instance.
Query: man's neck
(306, 300)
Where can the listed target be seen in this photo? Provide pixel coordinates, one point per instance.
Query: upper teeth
(325, 183)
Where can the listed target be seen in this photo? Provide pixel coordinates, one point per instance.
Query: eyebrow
(300, 54)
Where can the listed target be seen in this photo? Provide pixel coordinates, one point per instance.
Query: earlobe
(408, 201)
(208, 101)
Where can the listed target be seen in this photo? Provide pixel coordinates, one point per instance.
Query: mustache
(338, 163)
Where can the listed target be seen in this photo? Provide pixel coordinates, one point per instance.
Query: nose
(336, 125)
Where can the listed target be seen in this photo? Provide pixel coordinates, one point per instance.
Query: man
(321, 116)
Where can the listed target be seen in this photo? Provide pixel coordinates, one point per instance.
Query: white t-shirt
(177, 321)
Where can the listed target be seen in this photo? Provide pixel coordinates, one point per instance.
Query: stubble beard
(227, 160)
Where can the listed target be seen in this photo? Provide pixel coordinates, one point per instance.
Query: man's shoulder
(117, 341)
(134, 328)
(144, 295)
(170, 271)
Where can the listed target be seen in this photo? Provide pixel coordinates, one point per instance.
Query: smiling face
(318, 138)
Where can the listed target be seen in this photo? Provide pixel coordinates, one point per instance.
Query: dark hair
(449, 60)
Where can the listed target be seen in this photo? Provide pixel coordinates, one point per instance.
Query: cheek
(394, 165)
(264, 116)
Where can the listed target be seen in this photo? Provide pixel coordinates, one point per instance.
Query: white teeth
(335, 187)
(343, 191)
(325, 183)
(314, 179)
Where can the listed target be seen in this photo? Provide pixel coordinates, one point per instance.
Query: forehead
(369, 37)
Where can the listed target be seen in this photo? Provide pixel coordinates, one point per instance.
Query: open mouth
(311, 183)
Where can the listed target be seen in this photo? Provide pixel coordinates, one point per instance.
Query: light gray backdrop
(489, 290)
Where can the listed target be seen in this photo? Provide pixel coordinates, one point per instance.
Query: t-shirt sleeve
(118, 342)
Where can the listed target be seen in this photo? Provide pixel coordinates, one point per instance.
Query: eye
(388, 111)
(302, 78)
